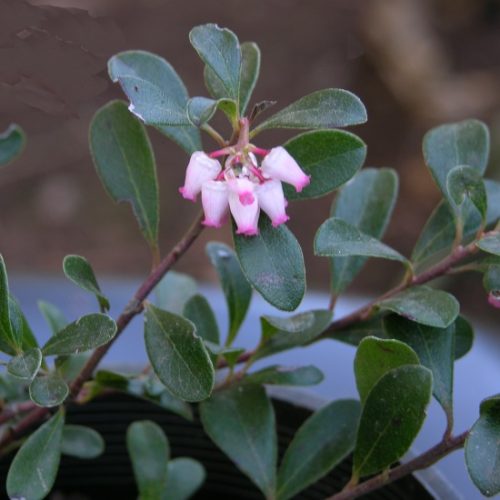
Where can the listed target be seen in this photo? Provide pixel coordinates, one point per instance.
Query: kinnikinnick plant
(407, 339)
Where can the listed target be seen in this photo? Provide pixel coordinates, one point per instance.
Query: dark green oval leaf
(8, 344)
(482, 448)
(273, 263)
(424, 305)
(464, 337)
(330, 157)
(149, 452)
(328, 108)
(237, 290)
(365, 202)
(26, 364)
(463, 183)
(81, 442)
(48, 390)
(34, 468)
(174, 291)
(453, 144)
(355, 333)
(241, 422)
(337, 238)
(80, 272)
(86, 333)
(280, 334)
(125, 163)
(12, 143)
(184, 477)
(21, 329)
(53, 316)
(219, 49)
(200, 110)
(393, 413)
(375, 357)
(286, 375)
(249, 73)
(490, 243)
(178, 356)
(435, 348)
(322, 442)
(156, 93)
(198, 311)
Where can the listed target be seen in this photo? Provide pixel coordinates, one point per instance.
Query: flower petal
(201, 168)
(246, 215)
(272, 201)
(279, 164)
(214, 198)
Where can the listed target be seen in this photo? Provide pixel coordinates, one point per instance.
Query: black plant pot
(110, 475)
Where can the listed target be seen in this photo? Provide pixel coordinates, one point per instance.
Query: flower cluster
(242, 185)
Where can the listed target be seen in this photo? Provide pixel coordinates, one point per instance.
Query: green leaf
(280, 334)
(200, 110)
(174, 291)
(48, 390)
(188, 138)
(482, 448)
(12, 142)
(34, 468)
(53, 316)
(273, 263)
(330, 157)
(463, 183)
(125, 163)
(249, 73)
(286, 375)
(490, 243)
(81, 442)
(7, 342)
(156, 93)
(21, 329)
(366, 202)
(198, 311)
(322, 442)
(337, 238)
(375, 357)
(230, 354)
(237, 290)
(175, 405)
(453, 144)
(491, 279)
(149, 452)
(241, 422)
(355, 333)
(424, 305)
(86, 333)
(26, 364)
(178, 356)
(79, 271)
(219, 49)
(464, 337)
(435, 347)
(328, 108)
(184, 477)
(392, 415)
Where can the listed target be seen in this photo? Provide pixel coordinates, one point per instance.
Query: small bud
(214, 198)
(272, 201)
(494, 299)
(201, 168)
(279, 164)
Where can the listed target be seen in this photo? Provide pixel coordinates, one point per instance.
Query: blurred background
(414, 63)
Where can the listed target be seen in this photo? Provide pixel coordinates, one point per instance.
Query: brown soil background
(415, 64)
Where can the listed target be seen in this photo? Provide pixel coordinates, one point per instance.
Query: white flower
(279, 164)
(201, 169)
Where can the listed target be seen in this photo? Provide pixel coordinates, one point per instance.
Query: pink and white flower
(243, 185)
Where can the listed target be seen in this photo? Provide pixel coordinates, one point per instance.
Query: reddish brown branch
(423, 461)
(133, 308)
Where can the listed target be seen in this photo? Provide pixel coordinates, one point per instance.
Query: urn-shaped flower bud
(279, 164)
(494, 299)
(214, 198)
(201, 168)
(244, 206)
(272, 201)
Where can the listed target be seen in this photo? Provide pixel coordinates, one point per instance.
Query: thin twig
(423, 461)
(15, 410)
(134, 307)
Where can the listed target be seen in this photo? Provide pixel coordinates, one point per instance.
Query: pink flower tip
(494, 299)
(211, 223)
(300, 185)
(248, 231)
(280, 220)
(186, 194)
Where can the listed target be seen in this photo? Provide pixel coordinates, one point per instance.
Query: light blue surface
(476, 376)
